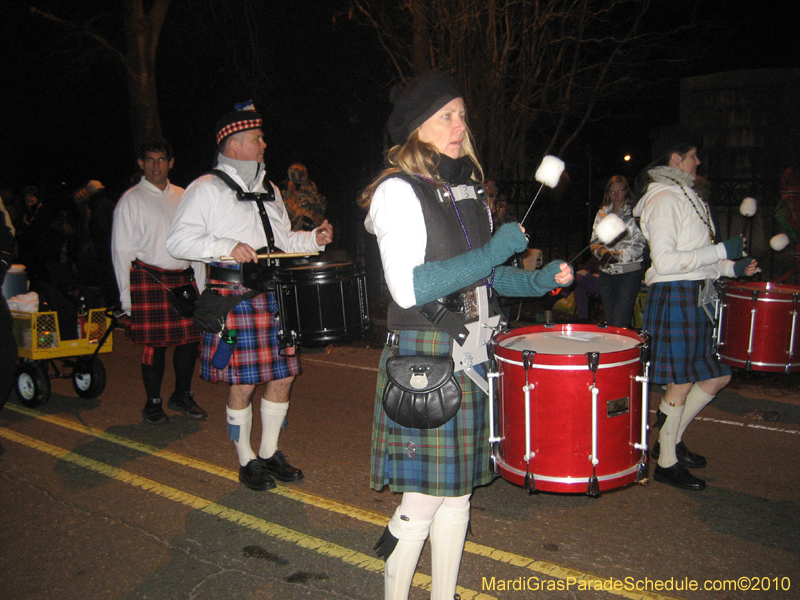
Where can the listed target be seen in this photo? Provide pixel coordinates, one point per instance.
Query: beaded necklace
(707, 220)
(449, 194)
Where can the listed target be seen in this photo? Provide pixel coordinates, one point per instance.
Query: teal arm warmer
(436, 279)
(509, 281)
(740, 265)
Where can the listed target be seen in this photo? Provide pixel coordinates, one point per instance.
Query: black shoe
(255, 476)
(678, 476)
(185, 403)
(280, 469)
(153, 411)
(686, 457)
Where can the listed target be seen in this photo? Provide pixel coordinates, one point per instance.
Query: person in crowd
(686, 259)
(146, 274)
(100, 222)
(220, 215)
(620, 261)
(5, 216)
(434, 230)
(8, 357)
(35, 244)
(501, 211)
(305, 205)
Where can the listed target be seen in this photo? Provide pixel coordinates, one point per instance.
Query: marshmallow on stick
(608, 231)
(549, 171)
(548, 174)
(748, 207)
(610, 228)
(779, 242)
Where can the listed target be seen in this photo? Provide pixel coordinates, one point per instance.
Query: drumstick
(274, 255)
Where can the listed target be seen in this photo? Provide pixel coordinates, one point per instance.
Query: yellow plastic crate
(38, 338)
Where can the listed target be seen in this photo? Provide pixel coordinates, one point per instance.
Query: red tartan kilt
(257, 358)
(153, 321)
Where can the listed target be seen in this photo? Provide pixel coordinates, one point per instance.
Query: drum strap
(257, 197)
(444, 320)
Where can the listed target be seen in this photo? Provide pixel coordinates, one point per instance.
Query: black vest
(445, 239)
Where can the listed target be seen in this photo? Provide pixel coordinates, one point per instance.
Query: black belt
(224, 274)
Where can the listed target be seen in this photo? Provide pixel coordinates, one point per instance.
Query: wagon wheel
(33, 385)
(89, 378)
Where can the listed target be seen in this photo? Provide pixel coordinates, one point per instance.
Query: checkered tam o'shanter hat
(244, 117)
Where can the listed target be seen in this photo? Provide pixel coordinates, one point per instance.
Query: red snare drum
(563, 425)
(758, 327)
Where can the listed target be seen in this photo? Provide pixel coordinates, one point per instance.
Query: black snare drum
(320, 303)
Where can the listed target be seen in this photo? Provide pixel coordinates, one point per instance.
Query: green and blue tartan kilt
(681, 335)
(448, 461)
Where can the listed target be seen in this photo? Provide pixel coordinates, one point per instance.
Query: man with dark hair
(230, 213)
(146, 273)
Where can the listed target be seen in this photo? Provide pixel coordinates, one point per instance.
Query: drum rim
(762, 287)
(786, 298)
(318, 266)
(569, 480)
(573, 367)
(500, 351)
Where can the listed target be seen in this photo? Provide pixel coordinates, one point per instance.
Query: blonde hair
(417, 157)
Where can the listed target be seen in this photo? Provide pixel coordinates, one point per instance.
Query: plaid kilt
(255, 359)
(153, 321)
(681, 334)
(448, 461)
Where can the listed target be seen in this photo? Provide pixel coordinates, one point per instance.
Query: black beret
(418, 102)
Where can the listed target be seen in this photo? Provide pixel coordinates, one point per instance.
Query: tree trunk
(141, 32)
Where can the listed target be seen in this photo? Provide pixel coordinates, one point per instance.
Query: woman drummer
(685, 261)
(434, 232)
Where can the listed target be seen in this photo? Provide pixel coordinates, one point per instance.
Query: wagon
(43, 355)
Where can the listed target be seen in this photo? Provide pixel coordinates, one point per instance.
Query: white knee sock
(668, 434)
(240, 422)
(402, 562)
(273, 415)
(448, 531)
(696, 400)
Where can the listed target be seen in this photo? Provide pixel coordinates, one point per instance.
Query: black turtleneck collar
(455, 171)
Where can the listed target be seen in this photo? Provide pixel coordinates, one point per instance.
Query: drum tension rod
(529, 485)
(593, 361)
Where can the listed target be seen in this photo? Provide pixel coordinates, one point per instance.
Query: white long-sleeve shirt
(210, 221)
(680, 245)
(395, 217)
(142, 219)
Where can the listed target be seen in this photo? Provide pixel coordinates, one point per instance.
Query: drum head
(569, 341)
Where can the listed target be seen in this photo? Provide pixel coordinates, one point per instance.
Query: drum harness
(257, 277)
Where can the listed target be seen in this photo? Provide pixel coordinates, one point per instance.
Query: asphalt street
(96, 504)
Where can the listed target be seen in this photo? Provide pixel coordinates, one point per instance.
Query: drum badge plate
(621, 406)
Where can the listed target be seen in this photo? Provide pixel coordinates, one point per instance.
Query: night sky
(65, 122)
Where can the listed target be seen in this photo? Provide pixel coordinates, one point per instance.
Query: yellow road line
(538, 566)
(284, 534)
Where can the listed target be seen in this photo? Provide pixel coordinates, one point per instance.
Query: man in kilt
(216, 220)
(145, 273)
(685, 260)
